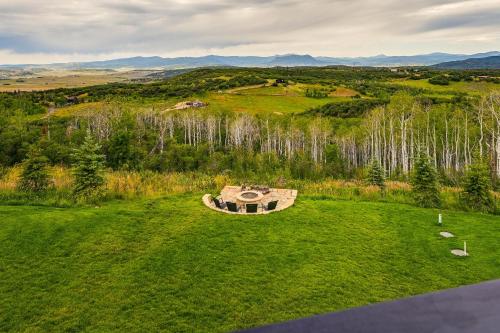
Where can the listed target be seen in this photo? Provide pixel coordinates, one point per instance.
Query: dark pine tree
(34, 177)
(424, 183)
(376, 174)
(88, 169)
(476, 193)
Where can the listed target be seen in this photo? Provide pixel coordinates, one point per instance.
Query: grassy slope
(217, 102)
(280, 100)
(254, 104)
(170, 264)
(263, 100)
(54, 82)
(474, 88)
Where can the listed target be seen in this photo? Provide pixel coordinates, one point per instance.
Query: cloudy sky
(33, 31)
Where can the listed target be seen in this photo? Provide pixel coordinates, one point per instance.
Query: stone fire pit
(242, 196)
(245, 197)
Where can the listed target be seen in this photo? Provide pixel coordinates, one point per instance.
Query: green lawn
(171, 264)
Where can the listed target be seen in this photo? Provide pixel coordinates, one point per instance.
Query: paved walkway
(285, 198)
(470, 309)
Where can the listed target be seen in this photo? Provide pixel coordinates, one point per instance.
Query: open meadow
(263, 100)
(271, 100)
(473, 87)
(47, 80)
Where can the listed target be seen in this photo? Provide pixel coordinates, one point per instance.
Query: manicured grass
(171, 264)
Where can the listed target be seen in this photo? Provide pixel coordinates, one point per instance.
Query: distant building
(72, 100)
(189, 104)
(196, 104)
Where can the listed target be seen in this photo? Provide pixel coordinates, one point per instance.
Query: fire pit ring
(249, 196)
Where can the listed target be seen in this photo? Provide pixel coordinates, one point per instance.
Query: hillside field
(272, 100)
(474, 88)
(172, 265)
(251, 100)
(47, 80)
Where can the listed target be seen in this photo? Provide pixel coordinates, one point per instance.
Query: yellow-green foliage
(68, 79)
(148, 184)
(264, 104)
(473, 87)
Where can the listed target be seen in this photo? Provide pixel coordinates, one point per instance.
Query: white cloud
(72, 30)
(459, 7)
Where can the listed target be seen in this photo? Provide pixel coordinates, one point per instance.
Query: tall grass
(149, 184)
(119, 185)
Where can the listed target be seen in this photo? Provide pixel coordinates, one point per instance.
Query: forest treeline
(337, 140)
(304, 147)
(449, 134)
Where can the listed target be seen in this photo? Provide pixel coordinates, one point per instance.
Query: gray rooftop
(474, 308)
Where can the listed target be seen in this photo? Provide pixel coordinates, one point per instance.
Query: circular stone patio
(285, 198)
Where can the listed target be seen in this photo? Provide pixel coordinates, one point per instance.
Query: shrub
(476, 192)
(439, 80)
(349, 109)
(88, 163)
(34, 176)
(122, 153)
(315, 93)
(424, 183)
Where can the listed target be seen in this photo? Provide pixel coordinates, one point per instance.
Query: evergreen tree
(88, 164)
(424, 183)
(477, 186)
(376, 174)
(34, 177)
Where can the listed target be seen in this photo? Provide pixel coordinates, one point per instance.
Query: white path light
(446, 234)
(461, 253)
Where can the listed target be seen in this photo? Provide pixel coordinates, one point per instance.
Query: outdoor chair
(232, 207)
(219, 203)
(251, 208)
(271, 205)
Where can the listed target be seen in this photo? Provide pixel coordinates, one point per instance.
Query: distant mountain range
(289, 60)
(415, 60)
(472, 63)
